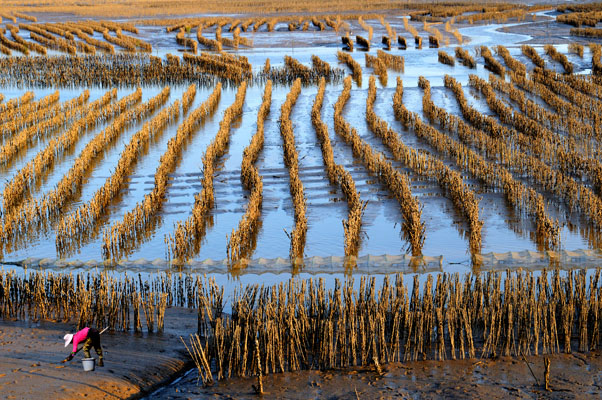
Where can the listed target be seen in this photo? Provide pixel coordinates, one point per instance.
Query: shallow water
(503, 229)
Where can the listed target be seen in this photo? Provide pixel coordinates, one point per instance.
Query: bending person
(90, 337)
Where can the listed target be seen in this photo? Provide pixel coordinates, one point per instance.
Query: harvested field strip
(462, 197)
(76, 228)
(26, 137)
(29, 114)
(50, 205)
(291, 160)
(575, 195)
(185, 241)
(337, 174)
(14, 104)
(35, 171)
(397, 182)
(522, 198)
(540, 138)
(137, 225)
(243, 240)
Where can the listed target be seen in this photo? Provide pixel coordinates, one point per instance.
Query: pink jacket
(80, 337)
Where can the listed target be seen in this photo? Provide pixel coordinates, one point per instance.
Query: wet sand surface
(572, 376)
(31, 354)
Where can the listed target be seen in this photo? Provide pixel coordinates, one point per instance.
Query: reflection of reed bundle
(74, 229)
(355, 67)
(445, 58)
(559, 57)
(491, 63)
(523, 198)
(396, 182)
(291, 160)
(367, 28)
(337, 174)
(512, 63)
(186, 238)
(125, 235)
(531, 53)
(243, 240)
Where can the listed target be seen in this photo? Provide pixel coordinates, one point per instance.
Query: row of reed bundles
(291, 160)
(465, 58)
(301, 324)
(337, 174)
(137, 225)
(185, 240)
(37, 170)
(38, 212)
(16, 119)
(524, 199)
(413, 227)
(25, 138)
(576, 195)
(293, 70)
(242, 241)
(463, 198)
(77, 227)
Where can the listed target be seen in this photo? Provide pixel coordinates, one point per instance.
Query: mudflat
(572, 376)
(31, 354)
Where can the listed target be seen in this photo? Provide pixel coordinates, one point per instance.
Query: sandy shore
(572, 376)
(30, 355)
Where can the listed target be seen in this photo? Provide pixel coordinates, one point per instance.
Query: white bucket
(88, 364)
